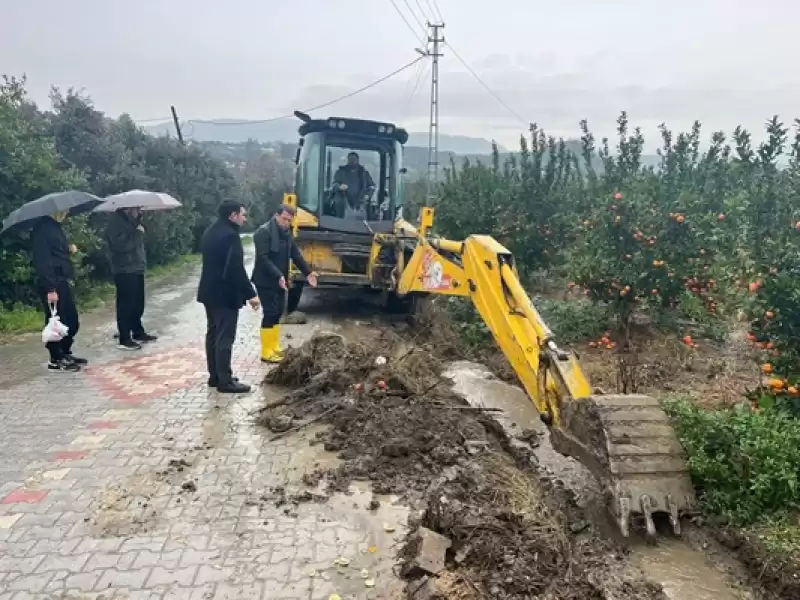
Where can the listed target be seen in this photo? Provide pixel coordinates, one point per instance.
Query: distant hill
(231, 131)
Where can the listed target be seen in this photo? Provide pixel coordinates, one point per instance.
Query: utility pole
(177, 125)
(434, 37)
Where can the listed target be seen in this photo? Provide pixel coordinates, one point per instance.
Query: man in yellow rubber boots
(274, 248)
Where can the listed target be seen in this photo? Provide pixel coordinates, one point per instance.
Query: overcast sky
(554, 62)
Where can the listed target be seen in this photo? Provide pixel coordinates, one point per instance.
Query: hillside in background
(232, 131)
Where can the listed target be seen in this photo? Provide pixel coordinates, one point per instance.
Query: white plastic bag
(55, 330)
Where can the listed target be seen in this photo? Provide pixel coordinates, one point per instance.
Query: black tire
(400, 305)
(294, 295)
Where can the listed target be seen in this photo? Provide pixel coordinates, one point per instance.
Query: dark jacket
(125, 244)
(359, 183)
(223, 280)
(274, 247)
(50, 253)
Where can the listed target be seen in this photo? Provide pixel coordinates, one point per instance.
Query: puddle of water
(683, 571)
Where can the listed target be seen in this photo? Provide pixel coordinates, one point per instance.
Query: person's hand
(140, 228)
(52, 297)
(343, 187)
(312, 279)
(73, 248)
(254, 303)
(282, 283)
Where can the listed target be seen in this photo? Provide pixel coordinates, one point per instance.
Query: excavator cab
(336, 226)
(325, 146)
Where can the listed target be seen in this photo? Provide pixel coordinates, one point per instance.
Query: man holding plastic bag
(51, 259)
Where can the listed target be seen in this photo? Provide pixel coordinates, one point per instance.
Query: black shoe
(144, 338)
(63, 365)
(234, 387)
(213, 382)
(75, 359)
(129, 345)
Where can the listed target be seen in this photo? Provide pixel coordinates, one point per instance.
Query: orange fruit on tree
(766, 368)
(776, 384)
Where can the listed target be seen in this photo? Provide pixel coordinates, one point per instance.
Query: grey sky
(723, 61)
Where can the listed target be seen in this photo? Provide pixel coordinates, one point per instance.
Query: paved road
(132, 479)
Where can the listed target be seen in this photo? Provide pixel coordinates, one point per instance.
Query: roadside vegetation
(680, 281)
(74, 146)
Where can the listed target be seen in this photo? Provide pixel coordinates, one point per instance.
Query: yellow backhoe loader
(626, 441)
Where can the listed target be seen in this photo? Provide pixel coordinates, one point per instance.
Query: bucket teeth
(628, 443)
(674, 517)
(647, 512)
(625, 516)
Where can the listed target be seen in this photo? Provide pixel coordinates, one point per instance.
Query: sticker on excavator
(433, 276)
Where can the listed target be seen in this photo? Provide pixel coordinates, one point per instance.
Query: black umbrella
(72, 202)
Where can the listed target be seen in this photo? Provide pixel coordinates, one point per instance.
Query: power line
(420, 38)
(438, 13)
(319, 106)
(421, 74)
(488, 89)
(422, 11)
(414, 15)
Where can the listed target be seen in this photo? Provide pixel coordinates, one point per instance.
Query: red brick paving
(23, 496)
(70, 455)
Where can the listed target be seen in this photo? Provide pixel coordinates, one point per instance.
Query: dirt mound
(509, 541)
(395, 421)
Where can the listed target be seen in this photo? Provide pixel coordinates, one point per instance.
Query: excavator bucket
(629, 445)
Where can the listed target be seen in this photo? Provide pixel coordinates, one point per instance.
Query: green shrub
(745, 464)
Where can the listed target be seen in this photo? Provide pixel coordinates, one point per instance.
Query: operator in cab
(355, 187)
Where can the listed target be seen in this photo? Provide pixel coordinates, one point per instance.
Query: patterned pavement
(133, 480)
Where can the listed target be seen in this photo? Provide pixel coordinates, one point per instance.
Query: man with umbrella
(125, 238)
(51, 260)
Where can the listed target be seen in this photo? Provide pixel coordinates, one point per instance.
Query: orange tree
(650, 239)
(521, 199)
(772, 268)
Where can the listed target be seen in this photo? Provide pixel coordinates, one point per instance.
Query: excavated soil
(395, 421)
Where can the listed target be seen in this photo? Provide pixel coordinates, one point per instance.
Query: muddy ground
(395, 421)
(714, 374)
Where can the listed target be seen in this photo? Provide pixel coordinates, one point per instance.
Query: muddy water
(684, 572)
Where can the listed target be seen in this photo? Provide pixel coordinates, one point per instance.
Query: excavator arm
(626, 441)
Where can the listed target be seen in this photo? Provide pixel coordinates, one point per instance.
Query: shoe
(75, 359)
(234, 387)
(129, 345)
(145, 337)
(212, 383)
(63, 365)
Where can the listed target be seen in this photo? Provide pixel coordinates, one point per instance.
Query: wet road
(132, 479)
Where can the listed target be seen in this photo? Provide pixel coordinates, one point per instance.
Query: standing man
(274, 248)
(51, 259)
(224, 289)
(125, 238)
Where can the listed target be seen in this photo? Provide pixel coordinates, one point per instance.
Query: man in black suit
(224, 289)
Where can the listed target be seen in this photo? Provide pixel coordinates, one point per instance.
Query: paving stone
(89, 504)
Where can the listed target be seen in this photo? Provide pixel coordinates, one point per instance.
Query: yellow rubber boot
(268, 344)
(277, 345)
